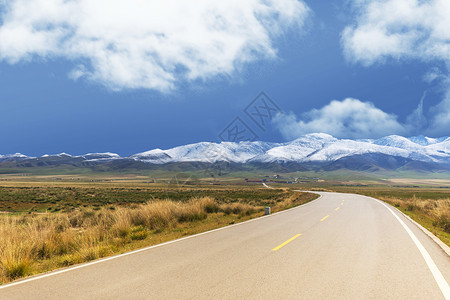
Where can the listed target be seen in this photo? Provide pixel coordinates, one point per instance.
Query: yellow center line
(337, 208)
(324, 218)
(287, 242)
(342, 203)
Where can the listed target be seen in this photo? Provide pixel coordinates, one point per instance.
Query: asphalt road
(340, 246)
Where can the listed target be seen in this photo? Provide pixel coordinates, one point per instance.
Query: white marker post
(267, 211)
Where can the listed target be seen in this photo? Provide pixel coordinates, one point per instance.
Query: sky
(81, 76)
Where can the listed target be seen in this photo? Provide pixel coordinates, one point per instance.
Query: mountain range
(311, 151)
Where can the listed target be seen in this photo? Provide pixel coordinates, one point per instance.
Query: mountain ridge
(389, 152)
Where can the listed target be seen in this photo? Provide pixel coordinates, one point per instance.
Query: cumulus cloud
(146, 44)
(350, 118)
(401, 30)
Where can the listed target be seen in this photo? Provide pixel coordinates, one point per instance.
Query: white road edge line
(440, 243)
(438, 277)
(147, 248)
(440, 280)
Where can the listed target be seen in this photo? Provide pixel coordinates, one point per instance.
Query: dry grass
(435, 210)
(33, 243)
(293, 200)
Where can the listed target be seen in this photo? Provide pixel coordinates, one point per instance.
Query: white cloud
(416, 121)
(400, 30)
(440, 123)
(146, 44)
(434, 74)
(350, 118)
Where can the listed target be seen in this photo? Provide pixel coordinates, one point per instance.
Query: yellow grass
(85, 235)
(434, 214)
(33, 243)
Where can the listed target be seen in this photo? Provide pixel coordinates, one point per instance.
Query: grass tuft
(68, 233)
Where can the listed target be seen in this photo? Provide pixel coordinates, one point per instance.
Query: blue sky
(74, 80)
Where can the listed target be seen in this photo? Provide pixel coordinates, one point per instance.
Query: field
(48, 223)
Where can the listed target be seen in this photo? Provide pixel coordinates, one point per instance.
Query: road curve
(338, 246)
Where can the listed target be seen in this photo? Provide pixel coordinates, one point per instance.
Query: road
(340, 246)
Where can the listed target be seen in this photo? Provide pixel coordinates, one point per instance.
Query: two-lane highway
(338, 246)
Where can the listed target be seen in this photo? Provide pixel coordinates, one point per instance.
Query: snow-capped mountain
(101, 156)
(206, 152)
(16, 156)
(88, 156)
(318, 148)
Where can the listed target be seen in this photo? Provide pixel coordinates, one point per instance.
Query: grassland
(47, 224)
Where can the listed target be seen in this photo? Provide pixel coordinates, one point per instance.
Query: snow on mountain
(206, 152)
(101, 156)
(62, 154)
(327, 148)
(156, 156)
(441, 149)
(297, 150)
(315, 147)
(308, 148)
(16, 156)
(426, 141)
(397, 142)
